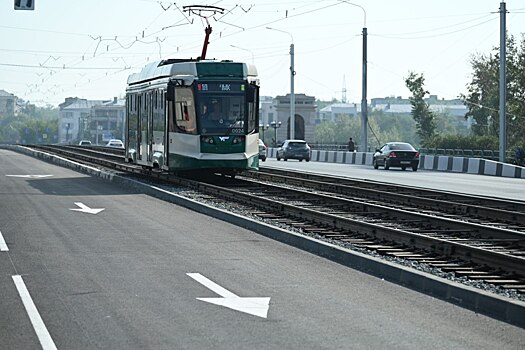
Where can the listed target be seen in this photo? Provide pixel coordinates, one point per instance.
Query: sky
(88, 48)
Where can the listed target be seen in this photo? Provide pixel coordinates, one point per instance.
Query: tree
(482, 98)
(31, 125)
(423, 116)
(383, 128)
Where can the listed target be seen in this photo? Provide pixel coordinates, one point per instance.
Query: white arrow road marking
(85, 209)
(3, 245)
(253, 306)
(30, 176)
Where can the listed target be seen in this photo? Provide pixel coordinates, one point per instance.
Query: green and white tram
(186, 114)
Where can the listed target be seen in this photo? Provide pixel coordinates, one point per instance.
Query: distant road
(492, 186)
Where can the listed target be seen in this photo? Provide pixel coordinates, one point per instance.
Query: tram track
(482, 210)
(476, 251)
(493, 254)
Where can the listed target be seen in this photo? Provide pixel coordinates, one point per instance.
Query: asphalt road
(484, 185)
(119, 280)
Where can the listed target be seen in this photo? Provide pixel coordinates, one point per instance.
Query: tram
(192, 114)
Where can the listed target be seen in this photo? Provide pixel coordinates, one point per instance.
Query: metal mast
(502, 84)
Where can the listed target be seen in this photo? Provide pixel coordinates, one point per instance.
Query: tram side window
(132, 120)
(158, 112)
(184, 111)
(253, 110)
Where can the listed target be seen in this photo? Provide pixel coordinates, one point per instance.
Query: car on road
(84, 143)
(396, 154)
(263, 150)
(115, 143)
(294, 149)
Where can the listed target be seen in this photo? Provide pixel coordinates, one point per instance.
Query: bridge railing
(468, 153)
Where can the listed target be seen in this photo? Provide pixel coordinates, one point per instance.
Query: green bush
(475, 142)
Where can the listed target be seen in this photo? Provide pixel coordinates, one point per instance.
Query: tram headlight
(207, 139)
(238, 139)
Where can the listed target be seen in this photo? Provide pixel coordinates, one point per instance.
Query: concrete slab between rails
(492, 305)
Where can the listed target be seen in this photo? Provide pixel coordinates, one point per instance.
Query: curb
(492, 305)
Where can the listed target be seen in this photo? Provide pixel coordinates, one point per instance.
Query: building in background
(454, 107)
(305, 118)
(7, 104)
(336, 110)
(107, 121)
(266, 110)
(94, 120)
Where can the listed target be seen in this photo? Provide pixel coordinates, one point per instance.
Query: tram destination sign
(223, 87)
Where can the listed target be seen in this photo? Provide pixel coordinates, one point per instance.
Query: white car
(115, 143)
(262, 150)
(84, 143)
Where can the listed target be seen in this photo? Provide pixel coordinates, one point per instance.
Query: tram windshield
(224, 114)
(226, 108)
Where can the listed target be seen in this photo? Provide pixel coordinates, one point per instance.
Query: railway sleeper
(408, 255)
(519, 287)
(357, 241)
(445, 264)
(476, 273)
(421, 258)
(503, 282)
(482, 278)
(457, 268)
(391, 250)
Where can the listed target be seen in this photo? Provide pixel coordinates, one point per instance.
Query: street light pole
(275, 125)
(292, 76)
(263, 127)
(68, 125)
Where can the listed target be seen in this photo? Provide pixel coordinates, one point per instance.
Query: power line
(63, 67)
(436, 35)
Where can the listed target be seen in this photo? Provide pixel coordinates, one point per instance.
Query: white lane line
(40, 328)
(3, 245)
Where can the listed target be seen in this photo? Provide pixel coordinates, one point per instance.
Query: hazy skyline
(88, 48)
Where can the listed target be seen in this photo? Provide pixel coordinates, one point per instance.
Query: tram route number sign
(221, 87)
(24, 4)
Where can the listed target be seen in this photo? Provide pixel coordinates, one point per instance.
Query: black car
(294, 149)
(396, 154)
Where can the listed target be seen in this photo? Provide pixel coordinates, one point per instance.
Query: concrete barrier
(427, 162)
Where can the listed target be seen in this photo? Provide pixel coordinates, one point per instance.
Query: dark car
(294, 149)
(396, 154)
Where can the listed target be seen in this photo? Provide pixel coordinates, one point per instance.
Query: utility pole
(292, 75)
(502, 83)
(292, 94)
(364, 109)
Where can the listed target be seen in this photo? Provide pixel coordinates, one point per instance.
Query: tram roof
(211, 69)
